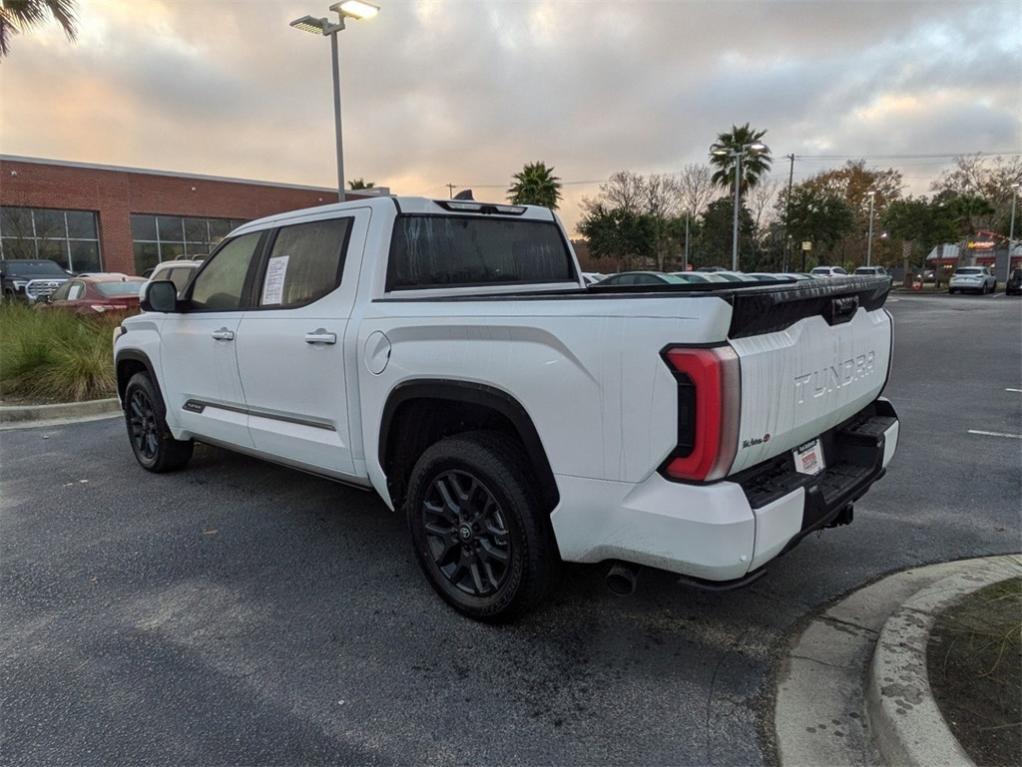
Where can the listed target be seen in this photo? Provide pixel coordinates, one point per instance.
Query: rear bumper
(725, 530)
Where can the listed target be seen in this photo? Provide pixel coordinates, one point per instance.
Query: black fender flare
(136, 356)
(475, 394)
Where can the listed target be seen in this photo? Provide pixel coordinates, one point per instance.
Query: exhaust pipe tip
(622, 578)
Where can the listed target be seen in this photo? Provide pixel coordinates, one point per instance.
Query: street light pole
(351, 9)
(869, 237)
(687, 217)
(336, 71)
(738, 197)
(720, 150)
(1011, 231)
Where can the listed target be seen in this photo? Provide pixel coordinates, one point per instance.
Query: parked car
(447, 355)
(977, 279)
(828, 271)
(96, 294)
(642, 278)
(591, 278)
(28, 280)
(691, 277)
(1013, 286)
(178, 271)
(872, 271)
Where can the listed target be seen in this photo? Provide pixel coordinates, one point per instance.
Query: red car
(97, 293)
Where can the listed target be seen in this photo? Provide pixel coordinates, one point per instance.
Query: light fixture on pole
(869, 237)
(720, 150)
(351, 9)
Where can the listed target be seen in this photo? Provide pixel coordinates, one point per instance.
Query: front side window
(221, 284)
(450, 251)
(76, 292)
(305, 263)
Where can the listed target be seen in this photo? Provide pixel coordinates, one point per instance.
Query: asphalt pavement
(241, 613)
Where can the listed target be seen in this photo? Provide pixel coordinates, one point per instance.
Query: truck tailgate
(810, 358)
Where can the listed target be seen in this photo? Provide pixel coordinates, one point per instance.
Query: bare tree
(696, 188)
(760, 199)
(624, 190)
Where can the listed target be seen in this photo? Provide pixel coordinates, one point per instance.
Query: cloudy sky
(466, 91)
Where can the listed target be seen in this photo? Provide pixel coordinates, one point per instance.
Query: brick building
(107, 218)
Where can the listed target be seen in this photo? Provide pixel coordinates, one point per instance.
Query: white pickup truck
(447, 355)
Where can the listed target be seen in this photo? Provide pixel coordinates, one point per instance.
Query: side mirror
(159, 296)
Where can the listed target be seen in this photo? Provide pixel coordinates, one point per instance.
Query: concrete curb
(26, 415)
(820, 713)
(907, 725)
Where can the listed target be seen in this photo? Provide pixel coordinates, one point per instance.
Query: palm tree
(535, 184)
(753, 165)
(361, 183)
(18, 16)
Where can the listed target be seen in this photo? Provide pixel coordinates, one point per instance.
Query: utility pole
(787, 211)
(869, 237)
(450, 188)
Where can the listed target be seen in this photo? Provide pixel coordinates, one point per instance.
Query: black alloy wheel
(142, 427)
(467, 536)
(151, 440)
(480, 535)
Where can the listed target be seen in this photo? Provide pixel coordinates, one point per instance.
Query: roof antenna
(464, 194)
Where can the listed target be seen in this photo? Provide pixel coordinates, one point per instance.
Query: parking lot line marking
(1010, 389)
(995, 434)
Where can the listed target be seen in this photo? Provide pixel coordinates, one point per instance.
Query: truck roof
(415, 205)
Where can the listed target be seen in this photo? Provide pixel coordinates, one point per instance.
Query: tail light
(709, 398)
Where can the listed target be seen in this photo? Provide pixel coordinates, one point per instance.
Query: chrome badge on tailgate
(817, 383)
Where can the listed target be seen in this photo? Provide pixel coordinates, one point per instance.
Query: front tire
(154, 446)
(479, 533)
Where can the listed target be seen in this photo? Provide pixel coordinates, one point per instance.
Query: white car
(977, 279)
(829, 271)
(446, 355)
(870, 271)
(178, 271)
(591, 278)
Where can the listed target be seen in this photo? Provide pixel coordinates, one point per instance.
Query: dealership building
(91, 218)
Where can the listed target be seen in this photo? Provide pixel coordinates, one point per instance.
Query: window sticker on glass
(273, 285)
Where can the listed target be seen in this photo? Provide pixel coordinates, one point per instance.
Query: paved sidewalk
(823, 713)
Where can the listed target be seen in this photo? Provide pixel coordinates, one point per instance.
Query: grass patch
(975, 663)
(55, 356)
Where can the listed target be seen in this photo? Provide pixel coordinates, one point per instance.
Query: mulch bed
(974, 661)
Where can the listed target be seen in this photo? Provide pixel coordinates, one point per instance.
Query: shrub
(55, 356)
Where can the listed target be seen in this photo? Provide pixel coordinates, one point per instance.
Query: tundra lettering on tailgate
(820, 382)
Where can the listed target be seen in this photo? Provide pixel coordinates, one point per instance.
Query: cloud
(466, 92)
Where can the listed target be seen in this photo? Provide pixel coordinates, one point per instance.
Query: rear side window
(220, 286)
(305, 263)
(450, 251)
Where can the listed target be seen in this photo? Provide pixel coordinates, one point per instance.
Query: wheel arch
(455, 406)
(129, 362)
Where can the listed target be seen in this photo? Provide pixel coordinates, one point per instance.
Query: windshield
(821, 270)
(126, 288)
(34, 269)
(970, 271)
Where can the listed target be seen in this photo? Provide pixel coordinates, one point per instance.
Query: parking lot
(241, 613)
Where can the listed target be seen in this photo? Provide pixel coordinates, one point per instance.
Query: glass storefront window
(169, 228)
(160, 238)
(68, 237)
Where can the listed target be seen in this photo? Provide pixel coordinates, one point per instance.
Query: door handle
(223, 334)
(320, 336)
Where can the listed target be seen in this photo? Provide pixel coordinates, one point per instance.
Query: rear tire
(154, 446)
(479, 533)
